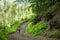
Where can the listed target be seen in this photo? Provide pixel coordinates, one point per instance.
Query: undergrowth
(5, 30)
(37, 29)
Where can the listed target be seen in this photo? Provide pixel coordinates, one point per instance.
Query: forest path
(20, 34)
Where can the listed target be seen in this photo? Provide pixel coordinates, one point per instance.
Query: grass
(53, 33)
(5, 30)
(37, 29)
(14, 27)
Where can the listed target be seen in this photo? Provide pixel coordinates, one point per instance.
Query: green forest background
(43, 17)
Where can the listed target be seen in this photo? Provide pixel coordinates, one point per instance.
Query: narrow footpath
(20, 34)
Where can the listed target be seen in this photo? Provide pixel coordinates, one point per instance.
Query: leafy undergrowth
(53, 8)
(37, 29)
(52, 34)
(14, 27)
(5, 30)
(31, 19)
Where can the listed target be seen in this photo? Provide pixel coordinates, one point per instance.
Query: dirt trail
(20, 35)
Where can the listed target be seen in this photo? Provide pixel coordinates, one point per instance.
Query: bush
(53, 8)
(37, 29)
(53, 33)
(3, 32)
(14, 27)
(31, 19)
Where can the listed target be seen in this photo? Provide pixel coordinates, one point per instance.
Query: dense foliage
(37, 29)
(42, 15)
(47, 11)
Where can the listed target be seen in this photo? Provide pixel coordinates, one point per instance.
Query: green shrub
(32, 18)
(37, 29)
(3, 38)
(29, 28)
(53, 34)
(14, 27)
(53, 8)
(3, 32)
